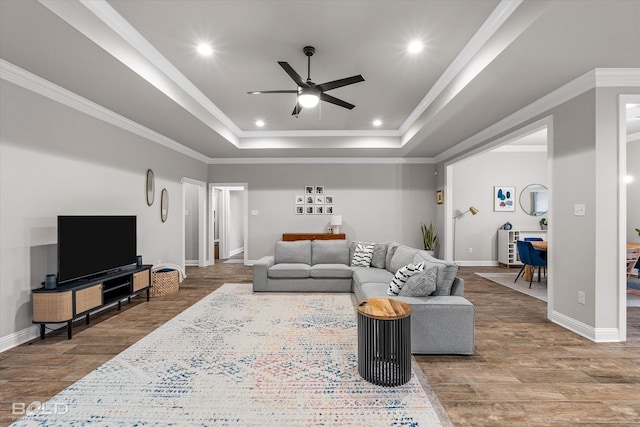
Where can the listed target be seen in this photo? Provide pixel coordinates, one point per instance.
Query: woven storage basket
(165, 282)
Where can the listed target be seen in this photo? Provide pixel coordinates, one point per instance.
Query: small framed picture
(440, 197)
(319, 210)
(308, 210)
(328, 200)
(308, 200)
(308, 189)
(299, 210)
(328, 209)
(299, 200)
(319, 200)
(319, 189)
(504, 198)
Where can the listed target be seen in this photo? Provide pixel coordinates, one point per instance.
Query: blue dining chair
(529, 256)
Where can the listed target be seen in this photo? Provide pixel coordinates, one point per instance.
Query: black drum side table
(384, 341)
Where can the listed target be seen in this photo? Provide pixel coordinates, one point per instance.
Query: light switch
(254, 212)
(579, 210)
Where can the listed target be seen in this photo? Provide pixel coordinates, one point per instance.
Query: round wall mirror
(533, 199)
(164, 204)
(151, 187)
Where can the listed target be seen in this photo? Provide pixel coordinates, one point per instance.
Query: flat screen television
(90, 245)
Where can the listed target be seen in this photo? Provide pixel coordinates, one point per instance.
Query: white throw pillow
(401, 277)
(363, 254)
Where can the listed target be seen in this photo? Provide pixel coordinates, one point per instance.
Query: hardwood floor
(526, 370)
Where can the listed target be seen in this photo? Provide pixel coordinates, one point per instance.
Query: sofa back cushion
(446, 271)
(391, 250)
(329, 252)
(293, 252)
(403, 256)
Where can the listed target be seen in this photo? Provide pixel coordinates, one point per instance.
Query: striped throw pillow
(362, 255)
(401, 277)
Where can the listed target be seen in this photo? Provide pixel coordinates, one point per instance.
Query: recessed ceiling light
(377, 122)
(415, 46)
(259, 123)
(204, 49)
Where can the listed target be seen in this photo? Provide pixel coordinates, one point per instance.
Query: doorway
(229, 222)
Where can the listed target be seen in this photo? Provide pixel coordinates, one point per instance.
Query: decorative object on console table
(289, 237)
(51, 281)
(336, 222)
(503, 199)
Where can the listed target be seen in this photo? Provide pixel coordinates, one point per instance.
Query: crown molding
(36, 84)
(520, 149)
(322, 160)
(319, 133)
(599, 77)
(493, 23)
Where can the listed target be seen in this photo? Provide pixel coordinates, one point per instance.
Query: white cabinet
(507, 247)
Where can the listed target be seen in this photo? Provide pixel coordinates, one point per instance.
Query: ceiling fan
(309, 93)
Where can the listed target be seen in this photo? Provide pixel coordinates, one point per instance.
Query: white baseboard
(477, 263)
(587, 331)
(20, 337)
(191, 262)
(236, 251)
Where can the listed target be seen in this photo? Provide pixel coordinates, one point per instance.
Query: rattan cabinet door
(140, 280)
(88, 298)
(52, 306)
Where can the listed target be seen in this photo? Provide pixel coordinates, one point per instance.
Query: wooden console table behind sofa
(288, 237)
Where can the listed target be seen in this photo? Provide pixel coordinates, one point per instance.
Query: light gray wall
(191, 222)
(473, 181)
(57, 161)
(381, 202)
(633, 191)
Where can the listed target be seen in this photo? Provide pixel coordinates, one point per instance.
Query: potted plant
(543, 223)
(429, 238)
(638, 231)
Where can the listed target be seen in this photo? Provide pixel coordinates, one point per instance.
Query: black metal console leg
(41, 331)
(69, 333)
(148, 294)
(88, 318)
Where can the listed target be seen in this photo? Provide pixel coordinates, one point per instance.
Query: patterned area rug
(237, 358)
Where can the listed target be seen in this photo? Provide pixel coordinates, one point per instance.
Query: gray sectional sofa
(441, 323)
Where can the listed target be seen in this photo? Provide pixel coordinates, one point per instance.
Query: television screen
(89, 245)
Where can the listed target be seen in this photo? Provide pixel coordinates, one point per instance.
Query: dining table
(541, 245)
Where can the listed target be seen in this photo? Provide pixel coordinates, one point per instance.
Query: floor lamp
(473, 212)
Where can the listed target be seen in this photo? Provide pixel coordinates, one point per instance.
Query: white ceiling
(482, 61)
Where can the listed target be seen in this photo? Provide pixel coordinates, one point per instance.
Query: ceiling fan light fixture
(308, 99)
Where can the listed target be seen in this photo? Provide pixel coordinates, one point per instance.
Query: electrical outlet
(579, 210)
(470, 250)
(581, 297)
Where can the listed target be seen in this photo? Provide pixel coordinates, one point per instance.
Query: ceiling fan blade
(259, 92)
(339, 83)
(292, 73)
(296, 109)
(336, 101)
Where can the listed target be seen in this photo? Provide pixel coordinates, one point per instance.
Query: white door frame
(220, 217)
(202, 220)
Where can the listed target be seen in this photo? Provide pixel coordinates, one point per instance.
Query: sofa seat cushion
(330, 252)
(331, 271)
(371, 275)
(289, 271)
(297, 252)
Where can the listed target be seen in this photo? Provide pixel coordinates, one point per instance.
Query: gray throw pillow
(446, 271)
(421, 284)
(379, 255)
(401, 277)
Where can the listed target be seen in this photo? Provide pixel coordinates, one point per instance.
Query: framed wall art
(504, 198)
(440, 197)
